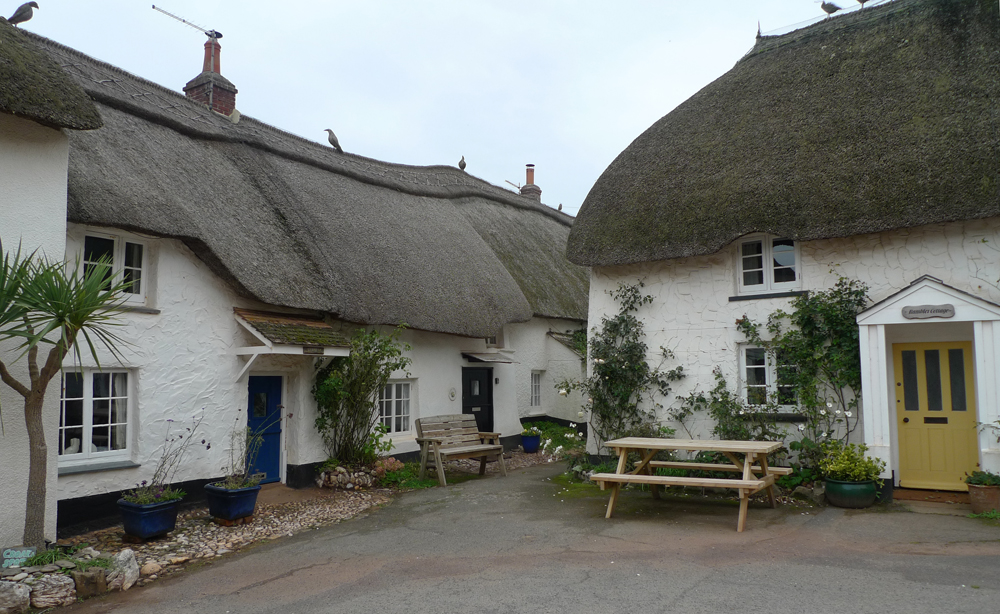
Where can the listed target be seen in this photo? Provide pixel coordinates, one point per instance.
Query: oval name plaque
(922, 312)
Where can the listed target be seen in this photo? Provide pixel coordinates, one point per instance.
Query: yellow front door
(936, 414)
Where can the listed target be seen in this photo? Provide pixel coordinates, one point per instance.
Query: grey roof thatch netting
(884, 118)
(34, 87)
(291, 222)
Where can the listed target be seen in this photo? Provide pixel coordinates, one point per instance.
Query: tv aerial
(213, 34)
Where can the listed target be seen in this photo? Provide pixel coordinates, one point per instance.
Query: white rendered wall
(692, 314)
(183, 366)
(33, 162)
(537, 351)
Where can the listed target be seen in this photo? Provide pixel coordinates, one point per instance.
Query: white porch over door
(918, 319)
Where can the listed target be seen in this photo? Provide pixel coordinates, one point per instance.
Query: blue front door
(265, 413)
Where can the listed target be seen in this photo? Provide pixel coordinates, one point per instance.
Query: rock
(52, 591)
(149, 569)
(64, 564)
(87, 552)
(124, 571)
(90, 583)
(813, 495)
(11, 571)
(31, 569)
(14, 598)
(19, 577)
(50, 568)
(177, 560)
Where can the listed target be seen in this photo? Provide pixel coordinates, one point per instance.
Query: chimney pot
(529, 189)
(210, 87)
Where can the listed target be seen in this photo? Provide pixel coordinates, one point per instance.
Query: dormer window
(127, 258)
(767, 264)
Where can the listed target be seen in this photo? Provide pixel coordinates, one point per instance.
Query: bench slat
(716, 467)
(665, 480)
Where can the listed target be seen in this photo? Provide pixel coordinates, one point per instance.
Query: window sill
(751, 297)
(99, 466)
(781, 416)
(140, 309)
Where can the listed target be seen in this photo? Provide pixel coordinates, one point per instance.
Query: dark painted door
(477, 396)
(265, 413)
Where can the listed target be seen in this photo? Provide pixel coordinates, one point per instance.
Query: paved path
(524, 544)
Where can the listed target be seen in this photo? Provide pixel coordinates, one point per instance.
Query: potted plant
(852, 479)
(984, 491)
(150, 509)
(531, 438)
(235, 496)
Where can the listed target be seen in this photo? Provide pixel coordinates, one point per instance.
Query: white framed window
(128, 262)
(766, 378)
(768, 264)
(496, 341)
(536, 388)
(394, 407)
(95, 411)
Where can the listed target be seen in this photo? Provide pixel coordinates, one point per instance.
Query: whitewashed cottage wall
(693, 316)
(33, 162)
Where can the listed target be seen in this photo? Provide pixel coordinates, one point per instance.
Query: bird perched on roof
(862, 2)
(461, 163)
(23, 13)
(333, 140)
(830, 7)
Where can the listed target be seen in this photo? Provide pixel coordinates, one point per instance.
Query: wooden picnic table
(747, 458)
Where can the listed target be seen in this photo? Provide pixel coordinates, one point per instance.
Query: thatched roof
(34, 87)
(883, 118)
(293, 223)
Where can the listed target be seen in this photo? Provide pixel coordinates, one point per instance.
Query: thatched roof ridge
(32, 86)
(293, 223)
(881, 119)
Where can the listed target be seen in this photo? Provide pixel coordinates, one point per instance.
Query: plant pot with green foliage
(235, 496)
(852, 478)
(150, 509)
(984, 491)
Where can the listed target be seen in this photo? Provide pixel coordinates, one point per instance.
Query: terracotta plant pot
(984, 498)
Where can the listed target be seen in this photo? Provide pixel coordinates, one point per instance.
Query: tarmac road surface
(525, 543)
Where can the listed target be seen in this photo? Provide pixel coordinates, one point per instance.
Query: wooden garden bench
(455, 437)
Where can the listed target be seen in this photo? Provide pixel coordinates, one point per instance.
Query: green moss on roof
(34, 87)
(880, 119)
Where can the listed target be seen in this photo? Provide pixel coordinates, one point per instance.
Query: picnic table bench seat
(454, 437)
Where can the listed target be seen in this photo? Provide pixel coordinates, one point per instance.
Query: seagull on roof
(23, 13)
(333, 140)
(830, 7)
(461, 163)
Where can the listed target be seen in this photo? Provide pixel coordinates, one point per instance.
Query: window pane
(956, 367)
(119, 411)
(756, 376)
(784, 275)
(752, 248)
(260, 405)
(119, 384)
(783, 252)
(118, 437)
(133, 280)
(133, 255)
(72, 413)
(932, 362)
(786, 395)
(73, 384)
(102, 411)
(756, 356)
(96, 248)
(911, 398)
(100, 439)
(756, 396)
(69, 442)
(102, 385)
(753, 278)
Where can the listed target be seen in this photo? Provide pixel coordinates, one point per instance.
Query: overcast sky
(563, 84)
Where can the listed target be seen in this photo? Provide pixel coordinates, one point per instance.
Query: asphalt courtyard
(532, 543)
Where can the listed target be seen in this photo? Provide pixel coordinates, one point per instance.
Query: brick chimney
(210, 87)
(529, 188)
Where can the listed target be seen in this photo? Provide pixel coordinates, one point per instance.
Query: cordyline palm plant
(50, 304)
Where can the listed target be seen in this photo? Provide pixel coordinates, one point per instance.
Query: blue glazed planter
(231, 504)
(530, 443)
(148, 520)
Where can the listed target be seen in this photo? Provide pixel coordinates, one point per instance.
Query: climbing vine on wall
(818, 338)
(621, 391)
